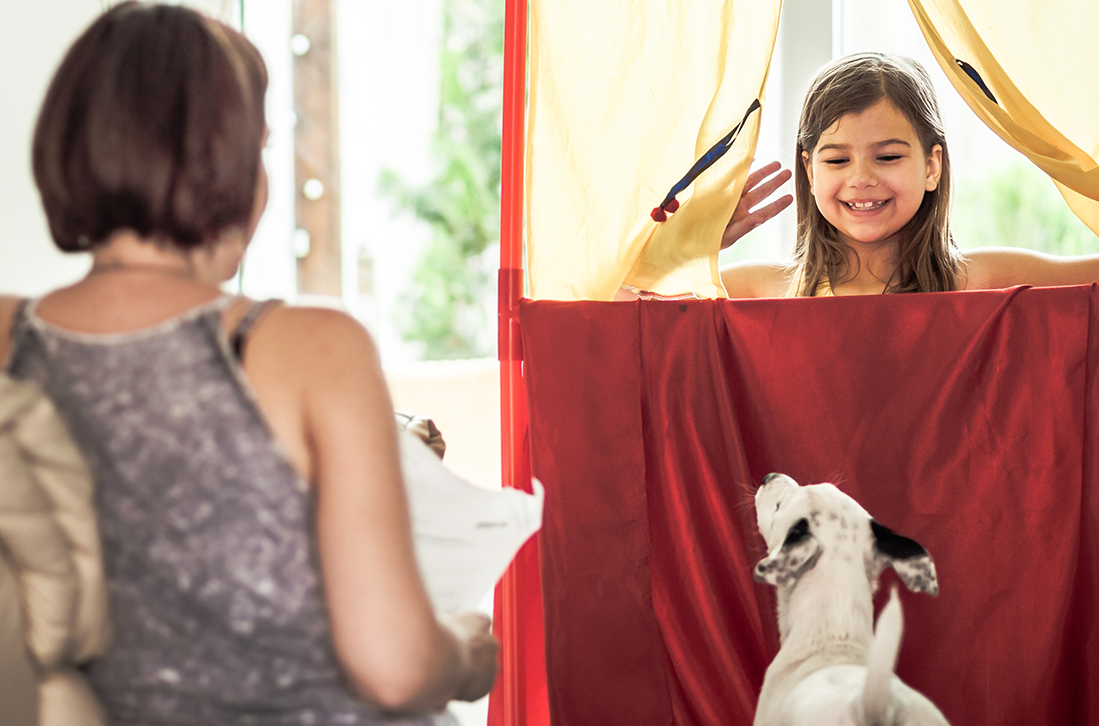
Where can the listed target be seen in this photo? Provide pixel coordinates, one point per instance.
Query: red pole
(519, 698)
(516, 467)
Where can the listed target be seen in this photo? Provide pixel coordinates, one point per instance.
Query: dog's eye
(797, 533)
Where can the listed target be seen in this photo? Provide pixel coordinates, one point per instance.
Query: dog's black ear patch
(894, 545)
(797, 534)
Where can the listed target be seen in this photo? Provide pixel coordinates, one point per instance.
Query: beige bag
(53, 601)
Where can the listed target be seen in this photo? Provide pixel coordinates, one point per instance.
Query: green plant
(449, 301)
(1017, 205)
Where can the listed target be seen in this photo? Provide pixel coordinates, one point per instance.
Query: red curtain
(966, 421)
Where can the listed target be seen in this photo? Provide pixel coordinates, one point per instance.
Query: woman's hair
(928, 256)
(152, 123)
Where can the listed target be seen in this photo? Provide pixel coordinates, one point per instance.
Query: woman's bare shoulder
(323, 319)
(324, 337)
(758, 278)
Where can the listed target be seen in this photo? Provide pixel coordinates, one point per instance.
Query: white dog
(825, 555)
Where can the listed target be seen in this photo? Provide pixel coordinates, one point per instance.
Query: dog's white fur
(825, 554)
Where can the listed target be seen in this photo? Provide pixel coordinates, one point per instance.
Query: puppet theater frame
(967, 421)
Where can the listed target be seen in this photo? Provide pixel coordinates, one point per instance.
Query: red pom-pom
(660, 214)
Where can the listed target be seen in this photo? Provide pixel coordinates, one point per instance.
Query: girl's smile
(868, 174)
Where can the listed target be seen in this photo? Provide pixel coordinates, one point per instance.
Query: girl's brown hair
(153, 123)
(928, 257)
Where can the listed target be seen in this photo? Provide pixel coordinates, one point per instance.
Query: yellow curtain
(624, 97)
(1040, 62)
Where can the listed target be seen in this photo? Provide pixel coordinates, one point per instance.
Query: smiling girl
(873, 198)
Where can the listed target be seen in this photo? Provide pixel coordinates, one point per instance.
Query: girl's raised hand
(760, 185)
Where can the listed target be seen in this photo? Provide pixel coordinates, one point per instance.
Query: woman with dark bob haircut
(256, 535)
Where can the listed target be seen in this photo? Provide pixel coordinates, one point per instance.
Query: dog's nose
(770, 476)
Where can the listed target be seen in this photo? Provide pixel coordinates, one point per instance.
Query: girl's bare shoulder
(758, 278)
(987, 268)
(992, 268)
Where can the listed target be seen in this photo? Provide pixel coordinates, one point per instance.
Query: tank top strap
(238, 337)
(19, 319)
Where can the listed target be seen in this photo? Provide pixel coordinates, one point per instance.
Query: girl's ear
(934, 168)
(808, 168)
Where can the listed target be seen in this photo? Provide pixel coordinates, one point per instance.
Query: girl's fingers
(760, 185)
(740, 227)
(763, 214)
(759, 174)
(753, 194)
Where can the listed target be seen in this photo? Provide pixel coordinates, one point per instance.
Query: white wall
(270, 268)
(389, 108)
(388, 85)
(38, 35)
(800, 49)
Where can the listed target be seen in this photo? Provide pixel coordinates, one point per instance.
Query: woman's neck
(126, 253)
(135, 283)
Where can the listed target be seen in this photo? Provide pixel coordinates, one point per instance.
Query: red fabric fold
(965, 421)
(601, 591)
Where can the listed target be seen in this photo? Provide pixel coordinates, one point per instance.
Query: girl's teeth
(863, 206)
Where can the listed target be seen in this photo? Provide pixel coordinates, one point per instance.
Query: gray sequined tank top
(216, 603)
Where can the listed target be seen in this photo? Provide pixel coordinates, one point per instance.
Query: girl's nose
(862, 175)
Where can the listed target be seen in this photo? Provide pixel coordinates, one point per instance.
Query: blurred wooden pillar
(316, 147)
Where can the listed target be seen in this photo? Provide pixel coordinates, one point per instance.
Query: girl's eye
(835, 162)
(889, 157)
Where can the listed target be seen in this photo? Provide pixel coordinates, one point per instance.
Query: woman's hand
(760, 185)
(478, 654)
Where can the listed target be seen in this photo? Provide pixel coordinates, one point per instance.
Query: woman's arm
(992, 268)
(386, 635)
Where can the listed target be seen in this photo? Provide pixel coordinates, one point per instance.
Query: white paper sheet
(465, 535)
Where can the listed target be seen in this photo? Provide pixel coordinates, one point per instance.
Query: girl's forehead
(876, 124)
